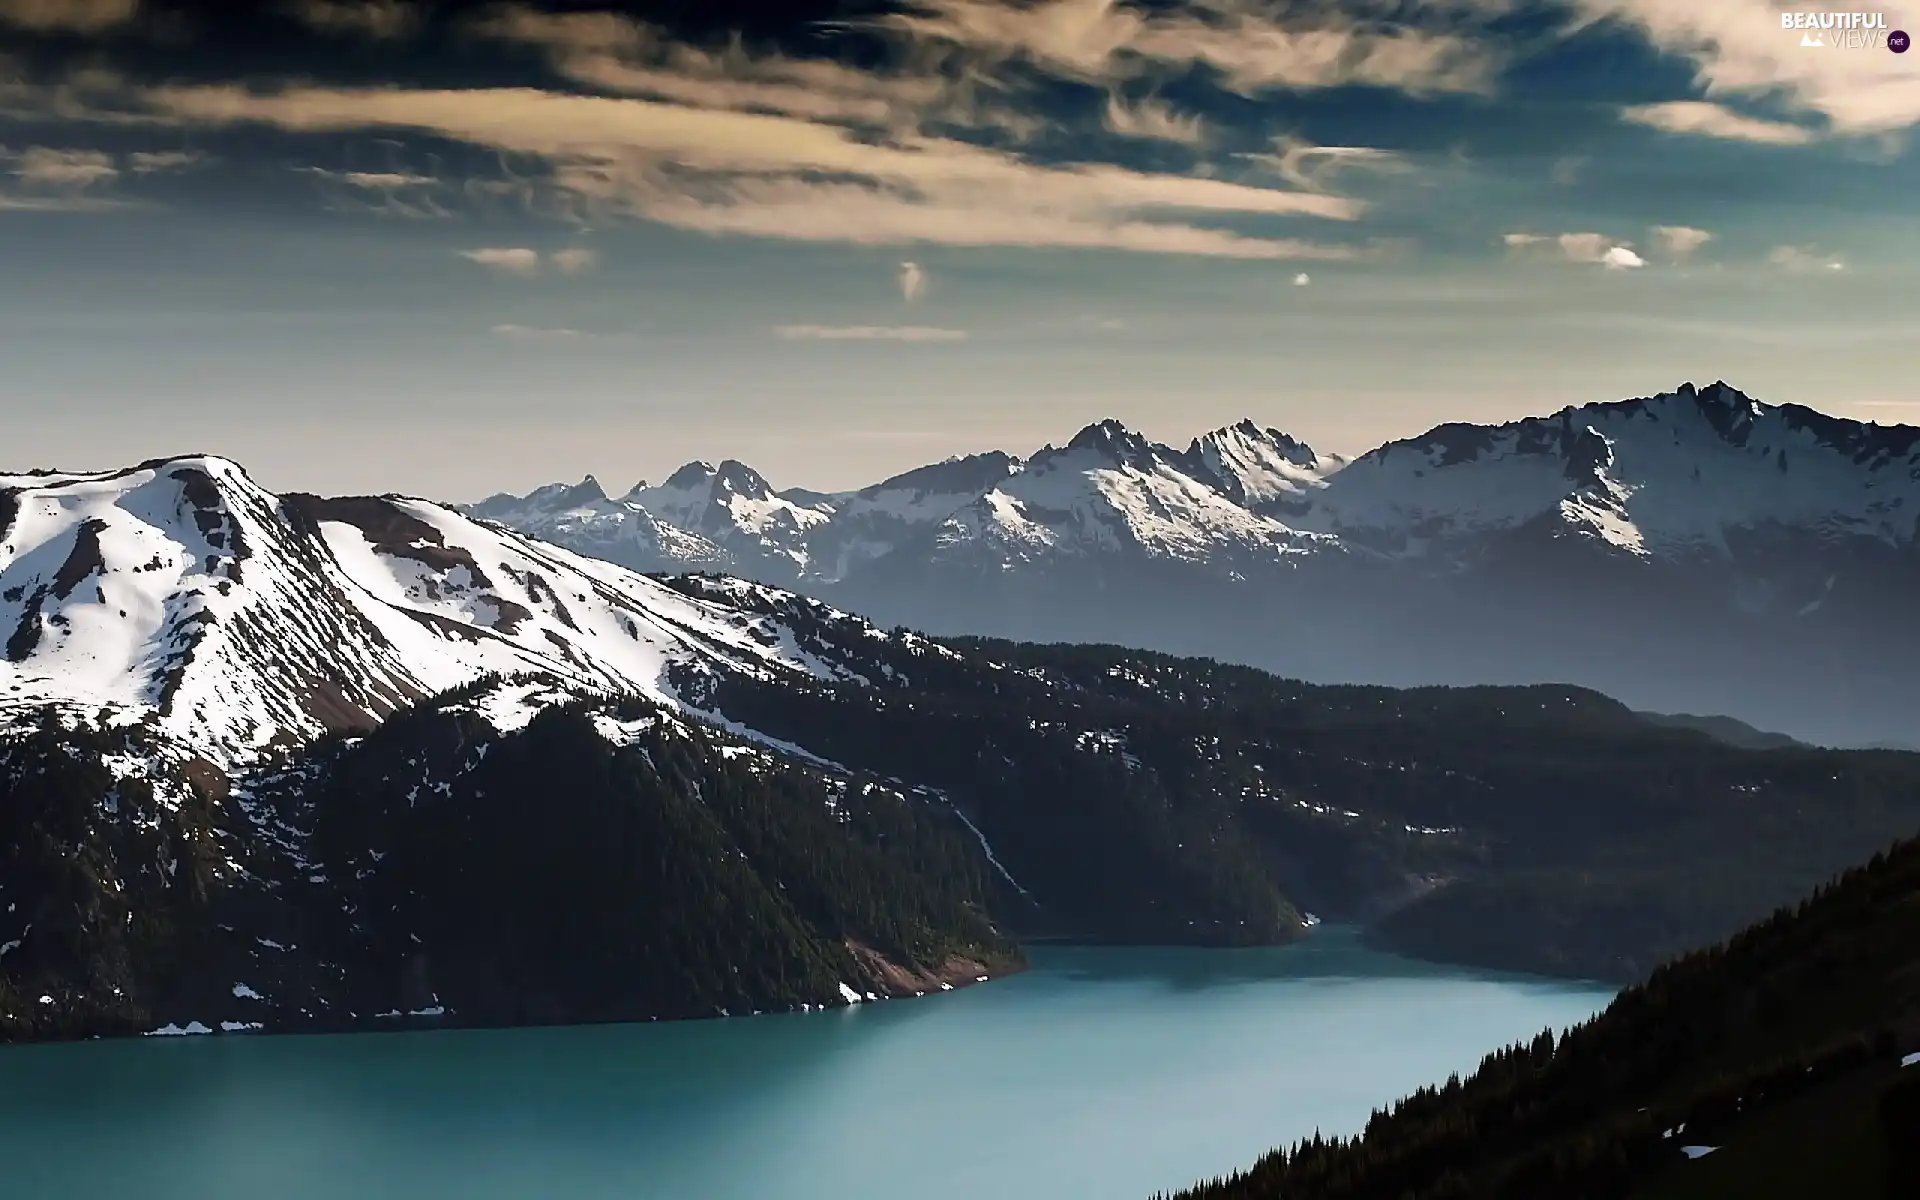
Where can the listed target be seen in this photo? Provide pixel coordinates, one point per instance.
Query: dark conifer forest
(1779, 1050)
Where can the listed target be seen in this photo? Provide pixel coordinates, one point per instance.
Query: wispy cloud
(377, 19)
(1313, 168)
(1591, 248)
(1246, 45)
(869, 333)
(535, 333)
(575, 260)
(1715, 120)
(1153, 119)
(780, 177)
(47, 167)
(1739, 50)
(913, 281)
(1804, 258)
(68, 16)
(508, 260)
(1680, 241)
(155, 162)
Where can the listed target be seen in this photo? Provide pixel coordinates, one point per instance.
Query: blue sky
(463, 248)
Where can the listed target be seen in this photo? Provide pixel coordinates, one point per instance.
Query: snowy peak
(182, 596)
(1677, 471)
(970, 475)
(1261, 467)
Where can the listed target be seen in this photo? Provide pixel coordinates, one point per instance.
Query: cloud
(381, 20)
(869, 333)
(533, 333)
(1803, 258)
(1312, 168)
(913, 281)
(772, 176)
(1246, 46)
(1738, 49)
(1153, 119)
(1680, 241)
(154, 162)
(1593, 248)
(1302, 279)
(46, 167)
(508, 260)
(387, 193)
(1715, 120)
(575, 260)
(1566, 169)
(68, 16)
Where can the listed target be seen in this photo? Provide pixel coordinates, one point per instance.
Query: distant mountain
(1782, 1064)
(1695, 551)
(1730, 731)
(300, 762)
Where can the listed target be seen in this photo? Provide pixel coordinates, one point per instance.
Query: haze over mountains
(1694, 551)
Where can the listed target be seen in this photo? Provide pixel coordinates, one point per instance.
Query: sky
(450, 249)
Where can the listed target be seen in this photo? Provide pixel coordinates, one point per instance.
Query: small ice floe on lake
(1910, 1059)
(1697, 1151)
(240, 1026)
(849, 995)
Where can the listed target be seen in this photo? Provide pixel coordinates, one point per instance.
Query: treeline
(1819, 993)
(1143, 797)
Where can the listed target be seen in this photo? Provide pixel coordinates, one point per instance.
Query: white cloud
(1680, 241)
(772, 176)
(1302, 279)
(1248, 46)
(508, 260)
(1153, 119)
(68, 16)
(1715, 120)
(1739, 50)
(378, 19)
(535, 333)
(869, 333)
(575, 260)
(1591, 248)
(1804, 258)
(388, 193)
(913, 281)
(1312, 168)
(47, 167)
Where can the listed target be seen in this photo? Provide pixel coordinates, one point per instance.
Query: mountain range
(1693, 551)
(300, 762)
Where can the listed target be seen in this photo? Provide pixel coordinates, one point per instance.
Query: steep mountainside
(322, 763)
(1782, 1064)
(1696, 551)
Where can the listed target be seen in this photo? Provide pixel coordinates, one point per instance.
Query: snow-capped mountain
(1770, 543)
(1685, 473)
(234, 620)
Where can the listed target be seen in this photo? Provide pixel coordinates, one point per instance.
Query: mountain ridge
(1765, 547)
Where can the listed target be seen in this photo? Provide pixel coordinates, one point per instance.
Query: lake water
(1101, 1073)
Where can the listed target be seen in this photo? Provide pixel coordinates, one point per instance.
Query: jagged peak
(960, 473)
(736, 477)
(692, 475)
(1248, 430)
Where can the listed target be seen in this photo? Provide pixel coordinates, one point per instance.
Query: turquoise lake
(1101, 1073)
